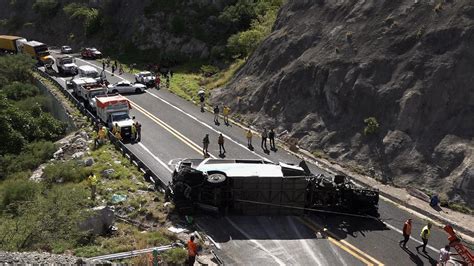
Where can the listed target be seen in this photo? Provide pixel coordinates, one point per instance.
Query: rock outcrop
(328, 65)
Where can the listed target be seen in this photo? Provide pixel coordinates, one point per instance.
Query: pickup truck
(146, 78)
(66, 65)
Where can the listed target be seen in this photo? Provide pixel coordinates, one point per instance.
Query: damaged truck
(260, 187)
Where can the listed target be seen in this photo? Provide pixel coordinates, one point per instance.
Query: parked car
(126, 87)
(91, 53)
(145, 77)
(66, 49)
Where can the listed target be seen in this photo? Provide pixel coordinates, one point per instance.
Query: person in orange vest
(192, 251)
(406, 233)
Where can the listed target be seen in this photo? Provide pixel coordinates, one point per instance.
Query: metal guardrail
(149, 175)
(133, 253)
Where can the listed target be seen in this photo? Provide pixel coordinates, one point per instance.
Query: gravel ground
(42, 258)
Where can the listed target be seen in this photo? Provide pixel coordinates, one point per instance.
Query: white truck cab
(115, 110)
(86, 71)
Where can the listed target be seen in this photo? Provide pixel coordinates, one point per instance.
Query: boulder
(100, 221)
(78, 155)
(89, 161)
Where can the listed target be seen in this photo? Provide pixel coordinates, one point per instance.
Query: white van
(88, 72)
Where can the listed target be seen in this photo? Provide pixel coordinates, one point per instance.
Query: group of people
(444, 254)
(249, 135)
(136, 131)
(225, 112)
(115, 66)
(220, 142)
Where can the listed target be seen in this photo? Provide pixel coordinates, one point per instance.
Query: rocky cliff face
(328, 65)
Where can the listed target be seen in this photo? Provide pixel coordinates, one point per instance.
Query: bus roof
(10, 37)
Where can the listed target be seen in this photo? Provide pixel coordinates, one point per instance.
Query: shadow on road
(226, 228)
(341, 226)
(413, 257)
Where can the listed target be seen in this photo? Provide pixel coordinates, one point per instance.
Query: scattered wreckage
(260, 187)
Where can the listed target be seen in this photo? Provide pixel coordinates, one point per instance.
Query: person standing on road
(444, 255)
(406, 233)
(103, 65)
(202, 100)
(225, 112)
(425, 235)
(264, 139)
(113, 69)
(216, 114)
(115, 64)
(271, 136)
(249, 138)
(220, 141)
(120, 69)
(138, 126)
(192, 251)
(134, 132)
(157, 81)
(205, 144)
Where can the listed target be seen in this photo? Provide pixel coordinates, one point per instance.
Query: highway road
(174, 128)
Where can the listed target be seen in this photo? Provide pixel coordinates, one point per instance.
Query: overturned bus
(260, 187)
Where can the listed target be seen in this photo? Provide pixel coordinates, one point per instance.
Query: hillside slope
(329, 65)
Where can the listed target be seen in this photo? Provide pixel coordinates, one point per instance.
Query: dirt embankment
(329, 65)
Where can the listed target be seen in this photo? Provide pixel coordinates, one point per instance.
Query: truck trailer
(11, 44)
(261, 187)
(115, 110)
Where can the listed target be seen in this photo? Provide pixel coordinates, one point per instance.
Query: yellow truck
(11, 44)
(38, 51)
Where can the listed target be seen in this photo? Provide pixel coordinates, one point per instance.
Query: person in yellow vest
(249, 138)
(226, 112)
(115, 128)
(106, 132)
(92, 179)
(425, 235)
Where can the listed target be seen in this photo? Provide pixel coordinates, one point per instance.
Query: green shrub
(50, 221)
(15, 191)
(178, 25)
(371, 126)
(176, 256)
(208, 70)
(91, 17)
(65, 172)
(31, 156)
(19, 91)
(15, 68)
(46, 7)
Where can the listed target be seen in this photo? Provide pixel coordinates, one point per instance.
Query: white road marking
(204, 124)
(155, 157)
(277, 260)
(305, 245)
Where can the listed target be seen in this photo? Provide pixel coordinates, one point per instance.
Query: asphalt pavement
(174, 128)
